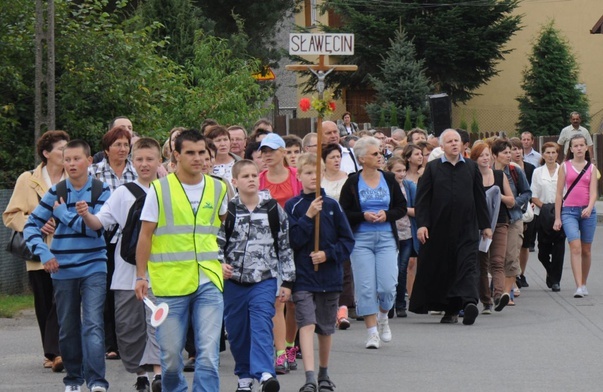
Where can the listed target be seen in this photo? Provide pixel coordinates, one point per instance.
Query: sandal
(308, 387)
(325, 386)
(112, 355)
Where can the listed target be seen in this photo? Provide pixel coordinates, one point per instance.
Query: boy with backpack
(254, 247)
(319, 274)
(135, 336)
(77, 262)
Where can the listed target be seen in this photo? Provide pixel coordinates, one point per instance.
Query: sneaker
(291, 353)
(281, 365)
(385, 333)
(500, 303)
(584, 290)
(73, 388)
(471, 312)
(579, 293)
(449, 319)
(373, 341)
(487, 309)
(98, 388)
(244, 387)
(524, 281)
(270, 385)
(142, 384)
(401, 312)
(57, 364)
(156, 384)
(516, 292)
(555, 287)
(342, 318)
(189, 365)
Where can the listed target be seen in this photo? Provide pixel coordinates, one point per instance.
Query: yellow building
(496, 108)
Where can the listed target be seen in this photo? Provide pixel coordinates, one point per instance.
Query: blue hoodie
(336, 240)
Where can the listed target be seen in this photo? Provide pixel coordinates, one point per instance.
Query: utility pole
(44, 113)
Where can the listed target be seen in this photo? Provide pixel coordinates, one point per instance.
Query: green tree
(179, 19)
(461, 42)
(401, 80)
(474, 125)
(407, 120)
(393, 116)
(549, 86)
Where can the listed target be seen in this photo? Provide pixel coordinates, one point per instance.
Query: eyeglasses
(121, 145)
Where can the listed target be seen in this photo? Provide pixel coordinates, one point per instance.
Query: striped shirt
(79, 250)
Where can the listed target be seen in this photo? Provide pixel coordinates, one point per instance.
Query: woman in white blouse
(551, 243)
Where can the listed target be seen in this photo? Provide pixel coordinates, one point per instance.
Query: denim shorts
(577, 228)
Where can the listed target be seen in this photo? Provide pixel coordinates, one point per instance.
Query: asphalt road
(547, 342)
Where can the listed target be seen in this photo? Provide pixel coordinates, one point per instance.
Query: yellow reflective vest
(185, 241)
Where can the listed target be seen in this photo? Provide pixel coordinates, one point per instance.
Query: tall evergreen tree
(461, 42)
(549, 86)
(401, 81)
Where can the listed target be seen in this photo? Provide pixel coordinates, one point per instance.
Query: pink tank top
(580, 195)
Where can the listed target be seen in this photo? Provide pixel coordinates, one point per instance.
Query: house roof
(598, 27)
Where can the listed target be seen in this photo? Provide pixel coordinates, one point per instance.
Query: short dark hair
(258, 132)
(329, 148)
(465, 138)
(499, 145)
(206, 123)
(249, 150)
(191, 135)
(78, 143)
(47, 141)
(292, 140)
(112, 123)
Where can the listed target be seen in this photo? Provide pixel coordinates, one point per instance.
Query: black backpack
(97, 190)
(273, 221)
(131, 230)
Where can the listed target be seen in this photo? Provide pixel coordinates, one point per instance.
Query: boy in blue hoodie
(77, 262)
(316, 290)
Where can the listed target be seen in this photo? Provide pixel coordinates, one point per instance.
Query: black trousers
(551, 251)
(46, 313)
(109, 312)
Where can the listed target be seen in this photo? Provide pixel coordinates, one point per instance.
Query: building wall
(496, 108)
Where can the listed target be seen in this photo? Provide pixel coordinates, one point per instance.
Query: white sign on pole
(325, 44)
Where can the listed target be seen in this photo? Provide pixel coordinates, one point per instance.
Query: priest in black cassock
(450, 211)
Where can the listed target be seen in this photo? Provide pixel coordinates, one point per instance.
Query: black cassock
(451, 203)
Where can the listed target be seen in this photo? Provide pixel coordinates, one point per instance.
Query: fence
(13, 277)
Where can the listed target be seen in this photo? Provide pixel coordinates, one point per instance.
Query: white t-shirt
(115, 211)
(150, 211)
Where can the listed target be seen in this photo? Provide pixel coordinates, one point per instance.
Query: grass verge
(11, 305)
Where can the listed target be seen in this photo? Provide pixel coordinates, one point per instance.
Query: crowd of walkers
(221, 226)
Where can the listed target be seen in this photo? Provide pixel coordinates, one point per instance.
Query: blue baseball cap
(273, 141)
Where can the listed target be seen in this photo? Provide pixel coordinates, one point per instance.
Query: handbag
(528, 215)
(16, 246)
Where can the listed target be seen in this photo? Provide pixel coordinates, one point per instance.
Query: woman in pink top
(283, 184)
(576, 210)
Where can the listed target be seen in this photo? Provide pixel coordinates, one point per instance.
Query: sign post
(322, 45)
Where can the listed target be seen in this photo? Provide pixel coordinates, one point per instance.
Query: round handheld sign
(159, 312)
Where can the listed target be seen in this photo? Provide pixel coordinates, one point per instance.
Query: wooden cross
(320, 70)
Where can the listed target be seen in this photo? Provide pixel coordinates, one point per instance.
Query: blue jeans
(248, 313)
(375, 267)
(577, 228)
(80, 303)
(403, 257)
(205, 308)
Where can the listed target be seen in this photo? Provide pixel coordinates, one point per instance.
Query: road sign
(265, 75)
(325, 44)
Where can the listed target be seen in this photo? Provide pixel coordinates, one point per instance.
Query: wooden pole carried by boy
(322, 45)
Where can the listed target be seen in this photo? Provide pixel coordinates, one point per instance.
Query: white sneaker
(579, 293)
(384, 332)
(373, 341)
(98, 388)
(72, 388)
(584, 290)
